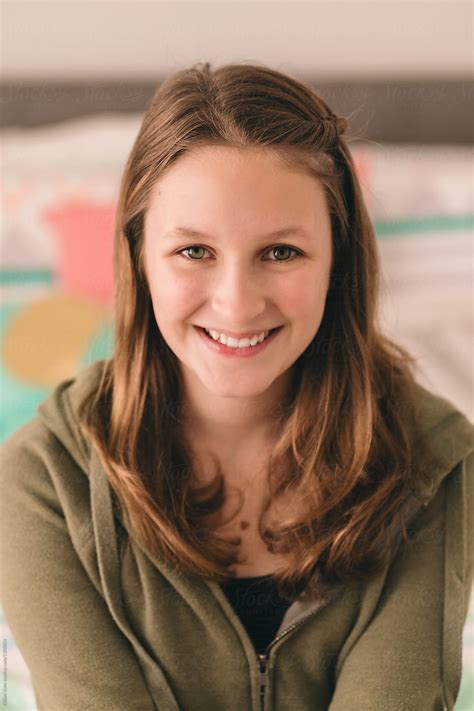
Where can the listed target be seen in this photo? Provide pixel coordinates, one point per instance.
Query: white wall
(330, 39)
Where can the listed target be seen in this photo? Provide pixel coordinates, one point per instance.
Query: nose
(237, 298)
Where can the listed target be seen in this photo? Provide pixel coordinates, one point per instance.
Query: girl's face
(212, 262)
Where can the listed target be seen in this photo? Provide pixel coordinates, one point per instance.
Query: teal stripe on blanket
(426, 225)
(29, 276)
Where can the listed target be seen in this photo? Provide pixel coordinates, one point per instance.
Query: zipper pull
(263, 675)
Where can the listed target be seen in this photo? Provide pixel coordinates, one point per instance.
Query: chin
(230, 390)
(236, 389)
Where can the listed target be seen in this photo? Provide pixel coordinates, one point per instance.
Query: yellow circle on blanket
(45, 341)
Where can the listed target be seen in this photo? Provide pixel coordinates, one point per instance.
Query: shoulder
(436, 411)
(26, 453)
(43, 489)
(438, 510)
(446, 467)
(44, 465)
(443, 437)
(37, 470)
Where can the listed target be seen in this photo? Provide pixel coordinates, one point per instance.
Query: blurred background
(76, 77)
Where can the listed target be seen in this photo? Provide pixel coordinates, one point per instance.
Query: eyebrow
(196, 234)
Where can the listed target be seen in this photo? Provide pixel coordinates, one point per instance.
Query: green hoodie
(103, 626)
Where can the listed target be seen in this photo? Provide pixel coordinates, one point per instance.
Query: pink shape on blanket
(84, 234)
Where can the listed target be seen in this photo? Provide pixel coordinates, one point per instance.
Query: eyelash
(278, 246)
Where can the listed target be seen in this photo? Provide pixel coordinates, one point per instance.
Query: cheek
(304, 296)
(173, 296)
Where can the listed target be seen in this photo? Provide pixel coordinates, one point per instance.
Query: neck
(231, 422)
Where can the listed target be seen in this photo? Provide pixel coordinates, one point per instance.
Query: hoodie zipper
(262, 677)
(262, 659)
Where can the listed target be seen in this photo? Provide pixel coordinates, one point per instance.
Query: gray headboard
(392, 110)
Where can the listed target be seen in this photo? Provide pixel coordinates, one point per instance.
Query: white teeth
(234, 343)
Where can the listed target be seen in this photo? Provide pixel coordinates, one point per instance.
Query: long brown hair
(346, 444)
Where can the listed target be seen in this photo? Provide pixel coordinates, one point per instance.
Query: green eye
(283, 248)
(195, 247)
(188, 252)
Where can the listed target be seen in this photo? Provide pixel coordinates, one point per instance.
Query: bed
(60, 180)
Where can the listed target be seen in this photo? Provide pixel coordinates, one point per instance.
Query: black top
(259, 607)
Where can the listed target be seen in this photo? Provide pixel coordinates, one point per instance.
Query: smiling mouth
(268, 333)
(237, 350)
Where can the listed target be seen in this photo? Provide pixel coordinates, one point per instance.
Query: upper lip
(234, 334)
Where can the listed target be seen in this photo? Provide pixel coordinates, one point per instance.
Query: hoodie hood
(59, 413)
(445, 429)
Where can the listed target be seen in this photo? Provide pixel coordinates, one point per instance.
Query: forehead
(252, 159)
(214, 154)
(220, 179)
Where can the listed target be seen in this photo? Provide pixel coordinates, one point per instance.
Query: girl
(252, 504)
